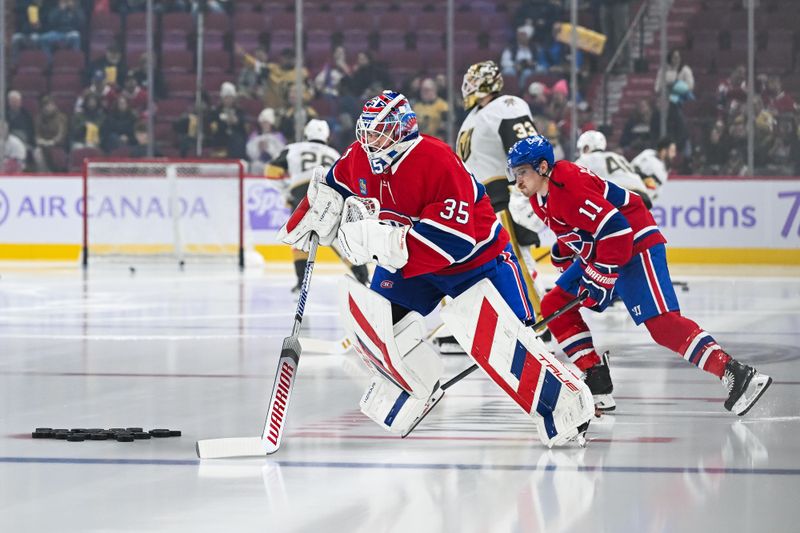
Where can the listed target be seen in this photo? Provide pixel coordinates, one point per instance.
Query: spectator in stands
(265, 144)
(105, 93)
(117, 128)
(281, 78)
(678, 83)
(431, 110)
(19, 120)
(12, 151)
(140, 73)
(227, 122)
(29, 20)
(556, 56)
(784, 154)
(65, 25)
(286, 126)
(111, 65)
(51, 132)
(254, 73)
(716, 148)
(139, 149)
(735, 164)
(518, 59)
(135, 94)
(187, 126)
(87, 122)
(537, 98)
(541, 14)
(327, 81)
(557, 106)
(732, 92)
(777, 100)
(366, 73)
(641, 129)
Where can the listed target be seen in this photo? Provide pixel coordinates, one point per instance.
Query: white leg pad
(391, 407)
(517, 361)
(396, 352)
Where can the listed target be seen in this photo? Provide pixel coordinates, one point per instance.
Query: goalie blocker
(407, 371)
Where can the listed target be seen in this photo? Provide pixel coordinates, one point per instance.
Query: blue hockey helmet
(530, 151)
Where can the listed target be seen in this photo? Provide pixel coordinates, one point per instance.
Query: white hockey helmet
(590, 141)
(317, 130)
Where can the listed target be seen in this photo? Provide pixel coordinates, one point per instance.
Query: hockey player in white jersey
(294, 167)
(653, 165)
(609, 165)
(494, 123)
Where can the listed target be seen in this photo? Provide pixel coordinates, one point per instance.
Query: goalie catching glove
(599, 280)
(319, 212)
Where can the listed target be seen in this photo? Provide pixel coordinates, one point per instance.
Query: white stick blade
(233, 447)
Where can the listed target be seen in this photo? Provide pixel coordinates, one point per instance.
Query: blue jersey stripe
(331, 182)
(614, 224)
(616, 195)
(454, 245)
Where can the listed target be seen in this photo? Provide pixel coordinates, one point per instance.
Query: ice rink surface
(197, 350)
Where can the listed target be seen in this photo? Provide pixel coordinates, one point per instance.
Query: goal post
(158, 210)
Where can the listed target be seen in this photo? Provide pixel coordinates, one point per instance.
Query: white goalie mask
(386, 128)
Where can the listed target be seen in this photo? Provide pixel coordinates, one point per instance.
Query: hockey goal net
(161, 210)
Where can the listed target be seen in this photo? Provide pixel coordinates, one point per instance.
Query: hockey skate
(745, 386)
(598, 379)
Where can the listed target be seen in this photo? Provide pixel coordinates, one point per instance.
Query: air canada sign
(115, 207)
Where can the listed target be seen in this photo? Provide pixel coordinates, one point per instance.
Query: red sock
(570, 330)
(690, 341)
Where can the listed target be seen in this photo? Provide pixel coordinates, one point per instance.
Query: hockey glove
(599, 280)
(560, 262)
(368, 240)
(319, 212)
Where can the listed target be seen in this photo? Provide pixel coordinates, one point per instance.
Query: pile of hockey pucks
(117, 434)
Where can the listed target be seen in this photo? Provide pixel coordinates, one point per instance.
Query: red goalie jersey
(595, 219)
(453, 226)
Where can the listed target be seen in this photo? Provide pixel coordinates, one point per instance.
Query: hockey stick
(332, 347)
(270, 439)
(437, 395)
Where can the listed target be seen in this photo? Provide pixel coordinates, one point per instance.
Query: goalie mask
(386, 128)
(481, 79)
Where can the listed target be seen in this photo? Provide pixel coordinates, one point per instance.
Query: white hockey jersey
(652, 170)
(612, 167)
(488, 132)
(299, 159)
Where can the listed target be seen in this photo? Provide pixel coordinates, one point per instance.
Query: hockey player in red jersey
(435, 235)
(609, 244)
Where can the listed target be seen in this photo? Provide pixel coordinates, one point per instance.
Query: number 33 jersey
(453, 226)
(595, 219)
(488, 132)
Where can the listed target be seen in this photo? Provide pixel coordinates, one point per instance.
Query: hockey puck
(100, 435)
(62, 435)
(174, 432)
(141, 435)
(124, 437)
(160, 433)
(117, 430)
(79, 430)
(42, 434)
(43, 430)
(133, 430)
(132, 270)
(76, 437)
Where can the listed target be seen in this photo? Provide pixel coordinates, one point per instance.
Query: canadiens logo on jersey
(579, 241)
(362, 186)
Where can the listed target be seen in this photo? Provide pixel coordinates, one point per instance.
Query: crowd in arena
(248, 104)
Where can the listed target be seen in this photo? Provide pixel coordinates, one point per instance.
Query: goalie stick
(438, 394)
(270, 439)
